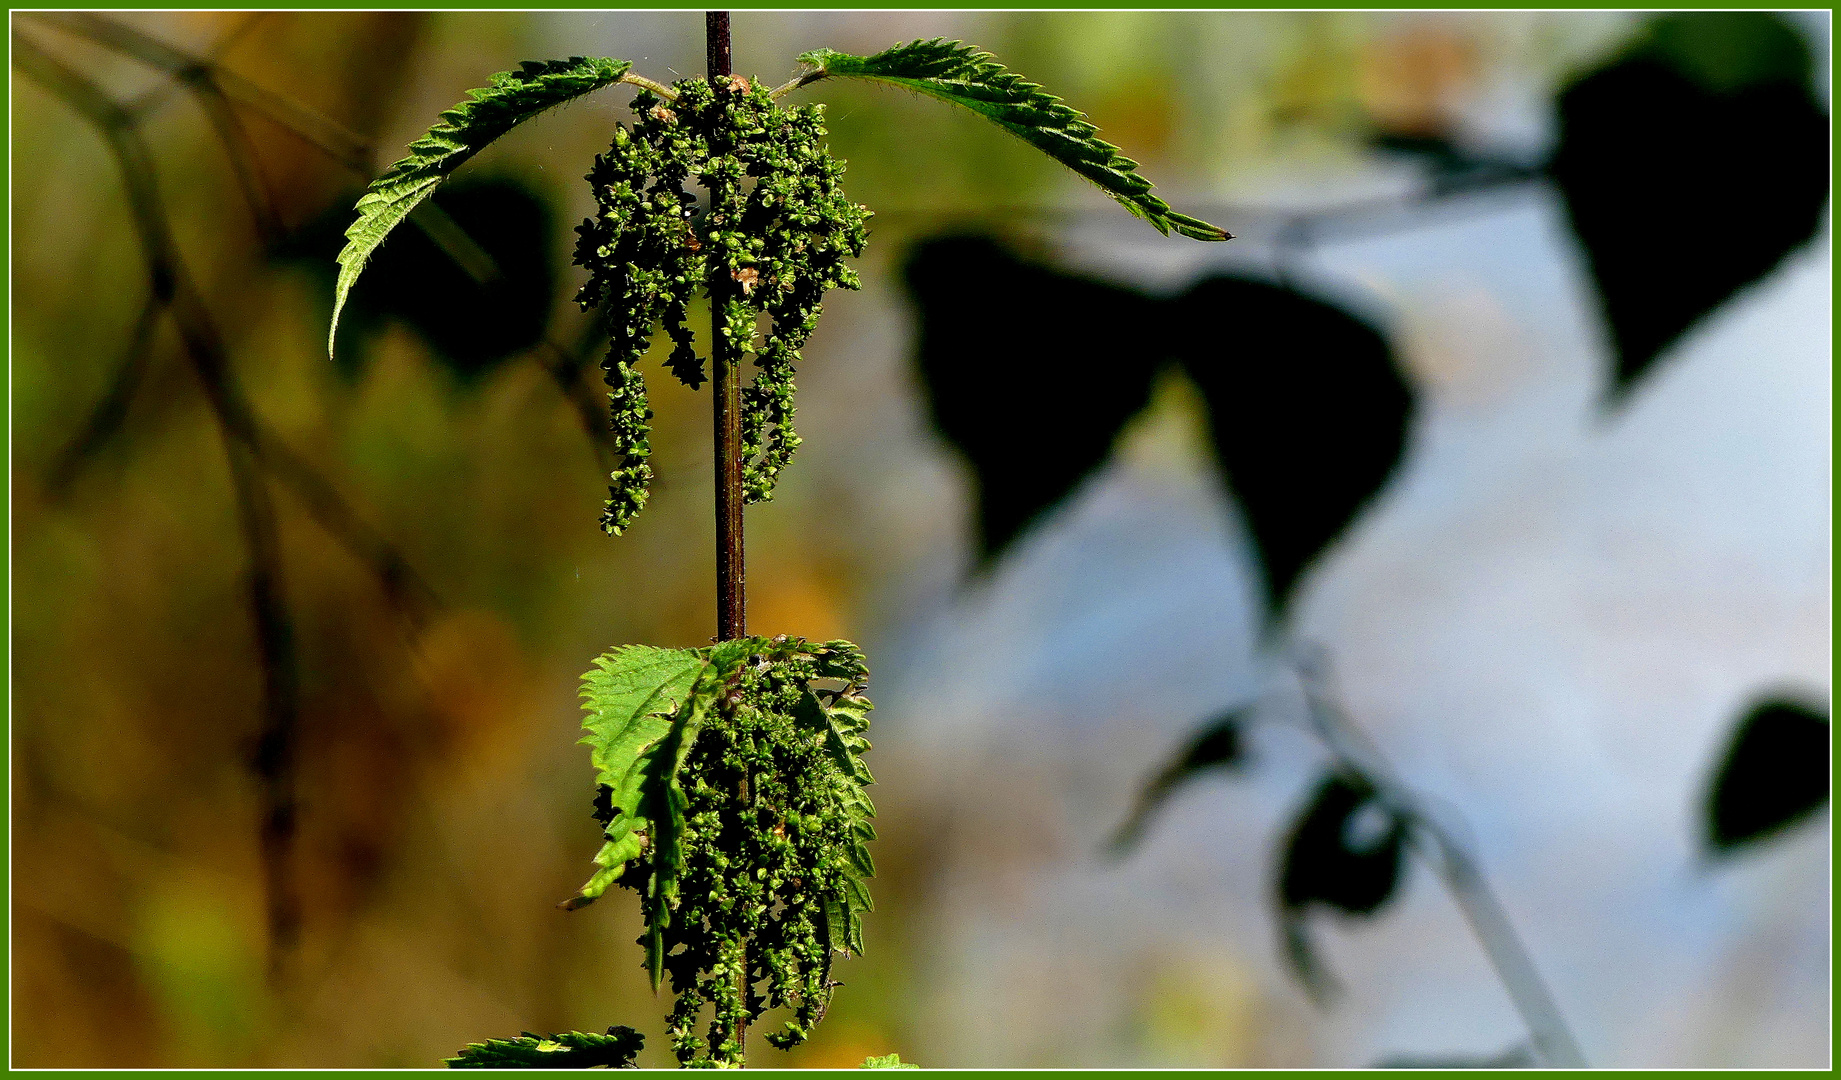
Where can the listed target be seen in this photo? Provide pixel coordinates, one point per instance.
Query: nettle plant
(731, 778)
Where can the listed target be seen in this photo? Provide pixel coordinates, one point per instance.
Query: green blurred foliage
(1727, 50)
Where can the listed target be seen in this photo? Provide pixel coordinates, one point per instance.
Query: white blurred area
(1549, 622)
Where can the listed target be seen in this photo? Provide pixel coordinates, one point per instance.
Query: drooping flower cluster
(733, 802)
(777, 228)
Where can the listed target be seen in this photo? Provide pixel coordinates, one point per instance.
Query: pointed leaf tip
(961, 74)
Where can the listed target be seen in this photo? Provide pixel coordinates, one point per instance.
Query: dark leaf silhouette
(476, 282)
(1343, 853)
(1309, 413)
(1032, 371)
(1774, 774)
(1216, 746)
(1691, 165)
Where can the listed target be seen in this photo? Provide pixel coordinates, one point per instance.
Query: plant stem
(725, 395)
(658, 88)
(1552, 1040)
(731, 592)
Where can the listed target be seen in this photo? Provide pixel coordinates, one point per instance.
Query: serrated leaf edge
(964, 75)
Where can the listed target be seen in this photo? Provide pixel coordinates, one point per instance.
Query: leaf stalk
(658, 88)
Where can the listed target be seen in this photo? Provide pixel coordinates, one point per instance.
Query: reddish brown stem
(731, 589)
(725, 386)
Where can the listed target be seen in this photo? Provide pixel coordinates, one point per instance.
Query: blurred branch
(1518, 1056)
(208, 82)
(96, 903)
(1352, 218)
(216, 87)
(405, 588)
(1443, 197)
(112, 411)
(76, 919)
(277, 745)
(174, 290)
(210, 79)
(1462, 873)
(1291, 233)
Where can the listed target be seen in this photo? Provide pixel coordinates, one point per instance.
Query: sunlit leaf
(631, 696)
(646, 708)
(955, 72)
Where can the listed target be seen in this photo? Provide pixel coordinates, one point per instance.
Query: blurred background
(1509, 404)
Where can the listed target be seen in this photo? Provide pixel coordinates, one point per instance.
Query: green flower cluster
(777, 227)
(732, 801)
(770, 890)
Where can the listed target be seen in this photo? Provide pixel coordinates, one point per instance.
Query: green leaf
(611, 859)
(960, 74)
(508, 100)
(632, 697)
(569, 1050)
(664, 803)
(887, 1061)
(842, 721)
(646, 710)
